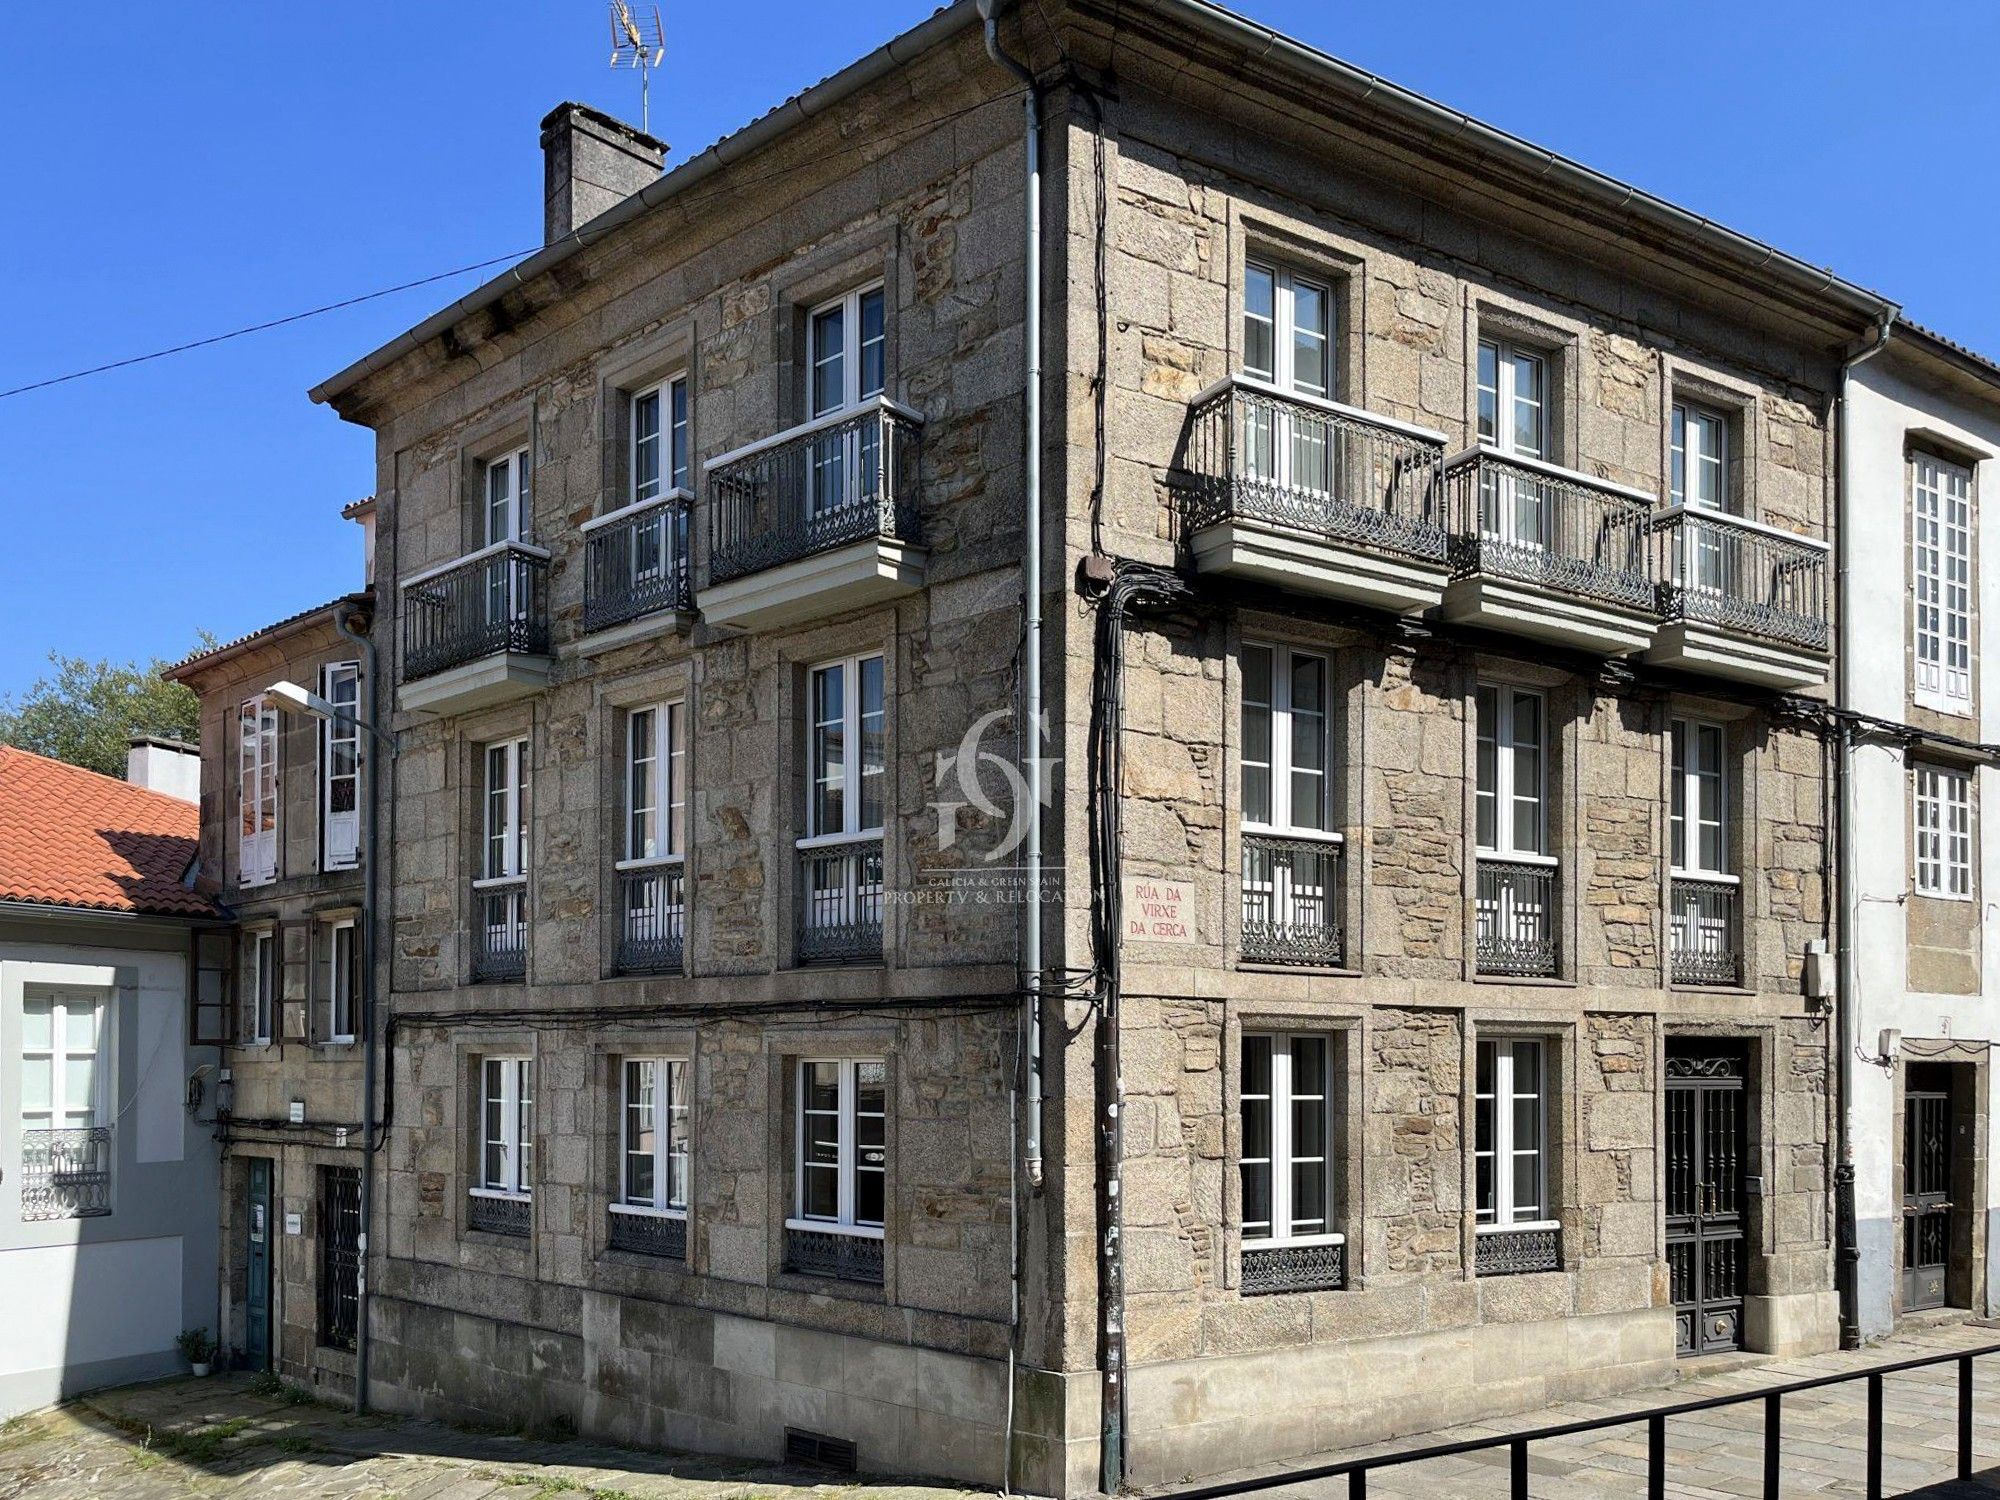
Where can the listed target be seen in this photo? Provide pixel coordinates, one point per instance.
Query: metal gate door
(1926, 1197)
(1704, 1193)
(257, 1261)
(339, 1254)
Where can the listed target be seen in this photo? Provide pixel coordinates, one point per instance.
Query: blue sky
(173, 171)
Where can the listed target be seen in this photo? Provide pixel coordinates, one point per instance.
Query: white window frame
(1507, 742)
(512, 829)
(1505, 1213)
(667, 759)
(1685, 824)
(257, 791)
(264, 966)
(847, 1153)
(1506, 395)
(514, 526)
(61, 1112)
(1280, 766)
(1281, 1101)
(671, 428)
(1941, 843)
(340, 833)
(852, 393)
(517, 1135)
(1690, 420)
(671, 1119)
(342, 997)
(1941, 581)
(853, 773)
(1282, 372)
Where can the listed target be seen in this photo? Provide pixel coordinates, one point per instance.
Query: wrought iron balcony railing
(652, 919)
(840, 902)
(843, 1257)
(1291, 900)
(1293, 1268)
(636, 561)
(500, 930)
(1704, 928)
(66, 1174)
(1722, 570)
(496, 1213)
(494, 600)
(1515, 913)
(1262, 454)
(664, 1235)
(850, 477)
(1518, 1252)
(1521, 519)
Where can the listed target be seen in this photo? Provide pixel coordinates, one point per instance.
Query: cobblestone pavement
(222, 1438)
(1719, 1455)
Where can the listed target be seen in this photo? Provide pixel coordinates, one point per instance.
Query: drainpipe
(1847, 1254)
(368, 1043)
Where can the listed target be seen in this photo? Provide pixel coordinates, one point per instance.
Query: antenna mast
(636, 44)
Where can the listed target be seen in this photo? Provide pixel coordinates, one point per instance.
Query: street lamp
(292, 698)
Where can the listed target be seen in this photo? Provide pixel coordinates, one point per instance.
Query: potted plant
(197, 1348)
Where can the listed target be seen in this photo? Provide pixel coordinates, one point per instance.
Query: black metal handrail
(1704, 929)
(66, 1173)
(652, 907)
(1514, 914)
(1722, 570)
(1357, 1470)
(1348, 475)
(635, 562)
(1291, 900)
(840, 902)
(825, 485)
(500, 931)
(495, 600)
(1533, 522)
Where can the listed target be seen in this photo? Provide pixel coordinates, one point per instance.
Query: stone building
(281, 831)
(1475, 1043)
(1922, 432)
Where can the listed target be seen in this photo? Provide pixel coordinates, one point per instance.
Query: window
(650, 876)
(1944, 833)
(847, 349)
(506, 842)
(1698, 813)
(1286, 1103)
(1941, 582)
(653, 1142)
(500, 892)
(509, 502)
(1700, 476)
(843, 1148)
(340, 970)
(340, 768)
(847, 756)
(1287, 329)
(257, 791)
(1510, 1127)
(1511, 771)
(263, 978)
(1285, 739)
(63, 1083)
(660, 440)
(1513, 401)
(506, 1111)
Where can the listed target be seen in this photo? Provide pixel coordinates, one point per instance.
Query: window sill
(822, 1226)
(641, 1211)
(1527, 981)
(1728, 991)
(1316, 971)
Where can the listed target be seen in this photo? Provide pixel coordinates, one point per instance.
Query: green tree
(85, 711)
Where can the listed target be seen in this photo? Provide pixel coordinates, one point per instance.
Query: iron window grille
(339, 1255)
(841, 1186)
(66, 1174)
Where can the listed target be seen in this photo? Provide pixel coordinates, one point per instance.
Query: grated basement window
(817, 1450)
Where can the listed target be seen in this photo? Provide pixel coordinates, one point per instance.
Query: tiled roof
(70, 837)
(1987, 366)
(177, 670)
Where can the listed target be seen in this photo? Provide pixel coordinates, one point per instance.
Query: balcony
(66, 1174)
(1515, 917)
(815, 521)
(1704, 929)
(652, 919)
(1291, 895)
(476, 631)
(499, 930)
(1549, 554)
(840, 902)
(1316, 497)
(635, 573)
(1739, 599)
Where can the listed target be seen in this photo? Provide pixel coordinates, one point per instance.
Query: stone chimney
(591, 162)
(164, 765)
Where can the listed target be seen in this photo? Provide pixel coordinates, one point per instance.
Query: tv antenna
(639, 44)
